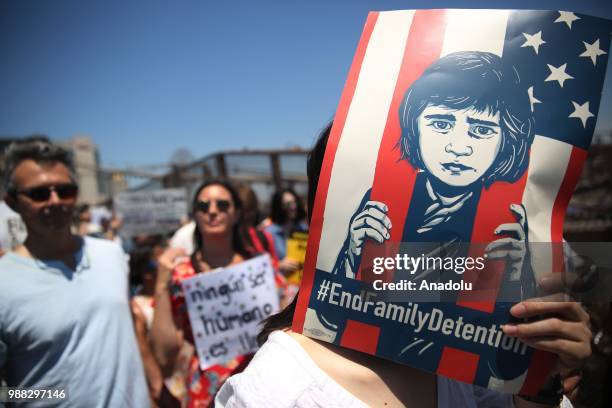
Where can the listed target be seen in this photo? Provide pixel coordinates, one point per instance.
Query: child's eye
(441, 125)
(482, 131)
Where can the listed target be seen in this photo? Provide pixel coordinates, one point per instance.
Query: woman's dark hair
(250, 205)
(141, 264)
(284, 318)
(142, 258)
(238, 233)
(278, 214)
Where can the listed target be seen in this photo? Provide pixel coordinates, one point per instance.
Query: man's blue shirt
(71, 329)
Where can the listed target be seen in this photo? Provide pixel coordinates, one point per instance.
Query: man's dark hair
(482, 81)
(40, 150)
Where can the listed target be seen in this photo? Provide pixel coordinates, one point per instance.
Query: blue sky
(143, 78)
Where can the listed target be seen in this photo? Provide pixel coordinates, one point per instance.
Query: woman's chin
(215, 230)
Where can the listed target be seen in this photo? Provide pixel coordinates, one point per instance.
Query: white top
(282, 374)
(183, 237)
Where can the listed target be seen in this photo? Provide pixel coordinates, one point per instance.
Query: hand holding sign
(562, 326)
(369, 221)
(514, 246)
(166, 262)
(225, 308)
(288, 266)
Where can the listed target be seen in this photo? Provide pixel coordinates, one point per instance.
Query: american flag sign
(454, 126)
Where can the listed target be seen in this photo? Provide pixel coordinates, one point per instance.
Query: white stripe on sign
(465, 31)
(355, 160)
(548, 162)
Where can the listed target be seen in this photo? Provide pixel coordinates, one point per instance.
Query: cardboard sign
(457, 130)
(296, 251)
(12, 229)
(151, 212)
(226, 307)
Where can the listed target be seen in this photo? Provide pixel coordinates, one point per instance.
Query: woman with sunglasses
(219, 242)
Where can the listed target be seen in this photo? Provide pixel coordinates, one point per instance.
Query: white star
(592, 50)
(567, 17)
(581, 112)
(534, 41)
(532, 99)
(558, 74)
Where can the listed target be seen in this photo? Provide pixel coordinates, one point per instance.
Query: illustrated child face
(458, 146)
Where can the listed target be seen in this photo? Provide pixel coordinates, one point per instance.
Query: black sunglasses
(43, 193)
(204, 206)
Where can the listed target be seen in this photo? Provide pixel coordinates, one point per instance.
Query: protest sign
(296, 251)
(12, 229)
(226, 307)
(457, 130)
(151, 212)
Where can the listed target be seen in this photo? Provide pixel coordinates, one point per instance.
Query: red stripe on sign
(458, 364)
(316, 224)
(394, 178)
(542, 362)
(493, 210)
(360, 336)
(572, 173)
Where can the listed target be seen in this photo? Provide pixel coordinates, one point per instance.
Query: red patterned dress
(202, 385)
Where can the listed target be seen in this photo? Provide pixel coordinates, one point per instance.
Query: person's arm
(288, 266)
(153, 372)
(3, 357)
(166, 338)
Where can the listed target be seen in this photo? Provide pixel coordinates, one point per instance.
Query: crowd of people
(110, 325)
(85, 308)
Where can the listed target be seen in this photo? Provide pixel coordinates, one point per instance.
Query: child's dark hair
(284, 318)
(481, 81)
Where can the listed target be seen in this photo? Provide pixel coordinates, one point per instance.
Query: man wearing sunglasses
(65, 321)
